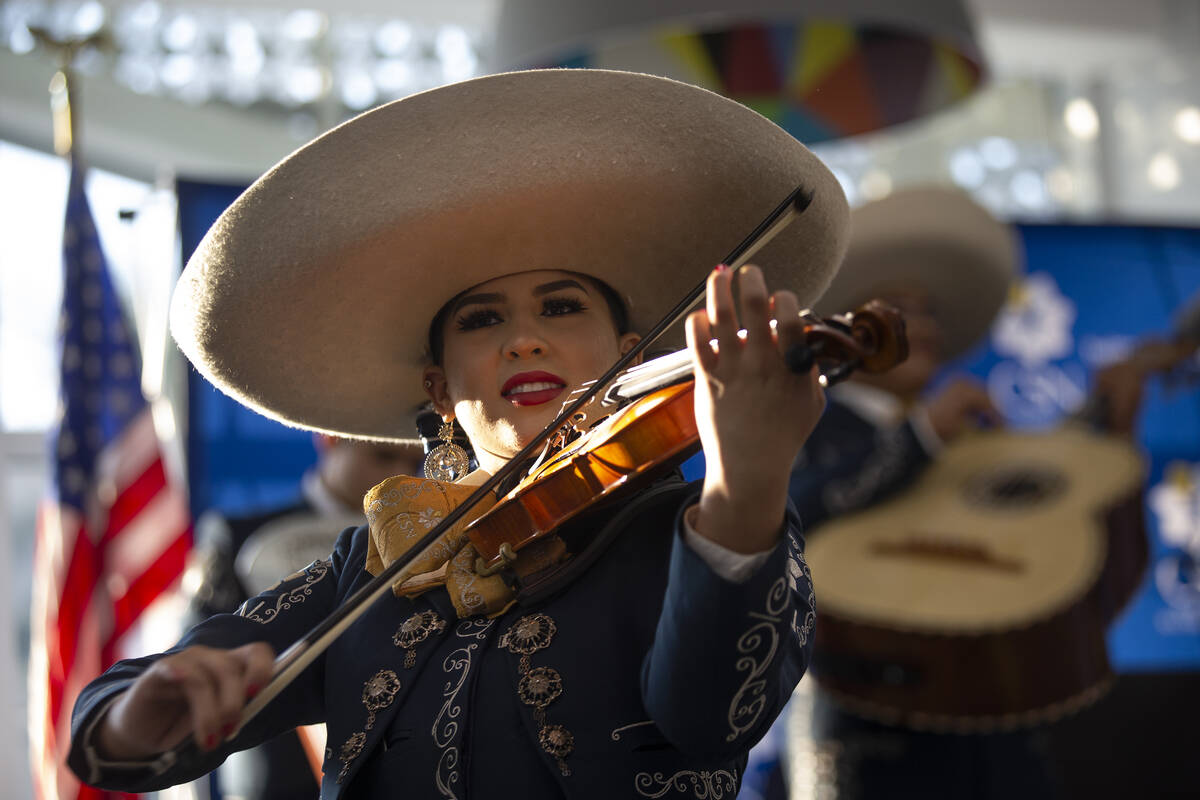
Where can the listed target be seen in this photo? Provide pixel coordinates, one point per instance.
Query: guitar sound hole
(1014, 488)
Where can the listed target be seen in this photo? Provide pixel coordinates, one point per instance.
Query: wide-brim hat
(935, 239)
(310, 298)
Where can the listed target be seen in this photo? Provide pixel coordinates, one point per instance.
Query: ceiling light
(966, 168)
(453, 47)
(1163, 172)
(394, 38)
(1081, 119)
(1187, 124)
(998, 153)
(179, 70)
(181, 33)
(88, 19)
(304, 25)
(356, 88)
(1028, 189)
(305, 83)
(21, 41)
(246, 54)
(394, 76)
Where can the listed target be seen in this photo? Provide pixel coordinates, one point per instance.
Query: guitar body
(979, 600)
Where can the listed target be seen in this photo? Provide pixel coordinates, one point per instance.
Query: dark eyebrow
(482, 298)
(554, 286)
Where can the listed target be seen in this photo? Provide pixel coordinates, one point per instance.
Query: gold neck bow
(400, 511)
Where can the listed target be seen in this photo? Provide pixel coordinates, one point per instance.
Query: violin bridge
(580, 419)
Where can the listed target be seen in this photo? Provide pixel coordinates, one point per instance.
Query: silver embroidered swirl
(703, 785)
(313, 574)
(757, 645)
(445, 725)
(616, 732)
(797, 570)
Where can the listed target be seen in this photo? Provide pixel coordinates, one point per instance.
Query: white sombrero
(310, 298)
(935, 239)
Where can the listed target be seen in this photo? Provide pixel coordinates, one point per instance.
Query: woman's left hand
(752, 411)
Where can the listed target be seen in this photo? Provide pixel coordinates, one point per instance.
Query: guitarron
(979, 600)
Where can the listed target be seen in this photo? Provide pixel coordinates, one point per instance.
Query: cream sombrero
(310, 298)
(936, 239)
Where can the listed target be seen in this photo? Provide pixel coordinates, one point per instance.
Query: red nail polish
(210, 742)
(226, 730)
(722, 268)
(252, 690)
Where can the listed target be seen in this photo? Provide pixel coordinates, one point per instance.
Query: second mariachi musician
(489, 247)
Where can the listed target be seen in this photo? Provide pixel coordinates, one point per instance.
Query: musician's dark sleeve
(727, 655)
(848, 465)
(278, 617)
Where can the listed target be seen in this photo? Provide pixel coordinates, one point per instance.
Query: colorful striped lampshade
(821, 70)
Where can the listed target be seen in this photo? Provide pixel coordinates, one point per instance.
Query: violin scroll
(870, 338)
(879, 330)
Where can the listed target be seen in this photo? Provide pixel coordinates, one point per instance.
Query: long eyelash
(572, 304)
(475, 319)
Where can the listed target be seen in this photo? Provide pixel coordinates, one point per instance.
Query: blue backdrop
(238, 461)
(1090, 294)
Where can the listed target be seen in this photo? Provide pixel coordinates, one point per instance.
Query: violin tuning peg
(799, 358)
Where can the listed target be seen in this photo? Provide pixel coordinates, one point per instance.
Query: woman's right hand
(199, 691)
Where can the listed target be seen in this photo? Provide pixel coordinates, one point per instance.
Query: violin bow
(292, 661)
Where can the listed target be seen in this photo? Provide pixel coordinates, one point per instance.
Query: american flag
(113, 535)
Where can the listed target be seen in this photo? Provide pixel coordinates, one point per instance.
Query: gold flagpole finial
(65, 50)
(60, 108)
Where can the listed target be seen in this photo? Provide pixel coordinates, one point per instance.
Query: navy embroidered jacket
(647, 676)
(849, 464)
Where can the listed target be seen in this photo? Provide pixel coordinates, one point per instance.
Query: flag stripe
(153, 581)
(143, 541)
(73, 605)
(129, 454)
(134, 499)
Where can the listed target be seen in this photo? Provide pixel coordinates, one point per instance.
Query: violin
(651, 428)
(841, 344)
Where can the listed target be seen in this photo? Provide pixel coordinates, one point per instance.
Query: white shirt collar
(876, 406)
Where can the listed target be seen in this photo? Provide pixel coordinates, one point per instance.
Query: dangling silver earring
(447, 461)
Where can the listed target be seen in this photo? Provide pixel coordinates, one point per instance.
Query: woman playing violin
(489, 247)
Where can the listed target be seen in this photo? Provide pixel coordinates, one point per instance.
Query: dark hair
(616, 310)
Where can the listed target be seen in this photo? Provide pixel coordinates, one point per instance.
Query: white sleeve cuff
(927, 437)
(733, 567)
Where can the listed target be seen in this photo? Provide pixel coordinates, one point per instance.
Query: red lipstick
(532, 388)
